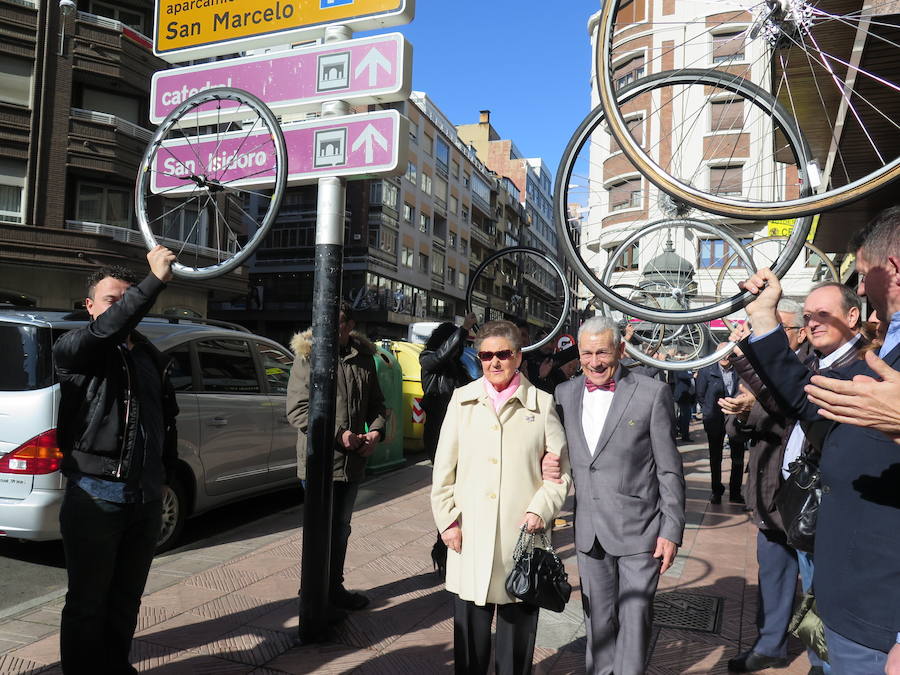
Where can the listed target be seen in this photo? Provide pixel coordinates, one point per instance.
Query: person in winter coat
(359, 426)
(442, 374)
(487, 484)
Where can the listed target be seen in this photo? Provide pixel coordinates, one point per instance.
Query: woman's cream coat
(487, 474)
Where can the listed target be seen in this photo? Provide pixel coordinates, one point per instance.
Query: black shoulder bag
(798, 502)
(538, 576)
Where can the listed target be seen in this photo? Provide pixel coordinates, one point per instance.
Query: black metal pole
(317, 508)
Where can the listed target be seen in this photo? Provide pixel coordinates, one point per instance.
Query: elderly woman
(487, 484)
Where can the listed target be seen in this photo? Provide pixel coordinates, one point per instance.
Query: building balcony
(15, 128)
(104, 48)
(482, 237)
(105, 143)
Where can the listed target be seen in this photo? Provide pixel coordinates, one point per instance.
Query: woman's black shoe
(439, 557)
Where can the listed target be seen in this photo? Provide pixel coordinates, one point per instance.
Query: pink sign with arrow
(367, 70)
(354, 146)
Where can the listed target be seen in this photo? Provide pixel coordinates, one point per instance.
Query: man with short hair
(857, 550)
(831, 315)
(714, 382)
(629, 483)
(116, 430)
(359, 426)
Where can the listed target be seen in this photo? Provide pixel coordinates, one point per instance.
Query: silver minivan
(234, 440)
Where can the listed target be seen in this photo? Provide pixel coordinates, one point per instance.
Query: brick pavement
(231, 607)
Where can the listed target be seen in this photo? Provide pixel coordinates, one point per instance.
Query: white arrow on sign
(372, 61)
(369, 136)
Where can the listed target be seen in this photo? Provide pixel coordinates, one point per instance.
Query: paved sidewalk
(232, 607)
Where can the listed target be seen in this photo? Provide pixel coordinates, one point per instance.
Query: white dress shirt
(594, 410)
(795, 442)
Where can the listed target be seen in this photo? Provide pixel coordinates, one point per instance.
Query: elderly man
(857, 549)
(832, 318)
(629, 486)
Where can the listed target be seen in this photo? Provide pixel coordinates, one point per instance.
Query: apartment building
(74, 85)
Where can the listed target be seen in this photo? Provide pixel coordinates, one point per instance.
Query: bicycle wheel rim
(144, 187)
(750, 92)
(805, 205)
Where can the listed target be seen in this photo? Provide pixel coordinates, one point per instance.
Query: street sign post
(358, 146)
(370, 70)
(194, 29)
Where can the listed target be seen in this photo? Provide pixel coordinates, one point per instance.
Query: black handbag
(798, 502)
(538, 576)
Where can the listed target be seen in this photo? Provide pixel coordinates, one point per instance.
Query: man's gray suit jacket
(631, 490)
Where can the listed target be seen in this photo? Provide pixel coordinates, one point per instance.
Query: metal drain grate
(688, 611)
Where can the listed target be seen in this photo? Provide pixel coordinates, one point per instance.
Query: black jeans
(109, 548)
(344, 500)
(715, 434)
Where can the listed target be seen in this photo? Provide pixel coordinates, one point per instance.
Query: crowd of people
(809, 384)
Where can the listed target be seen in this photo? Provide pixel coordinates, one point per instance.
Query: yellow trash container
(407, 353)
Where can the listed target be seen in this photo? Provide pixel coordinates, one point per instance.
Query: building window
(411, 172)
(454, 169)
(413, 133)
(628, 72)
(426, 184)
(451, 276)
(15, 80)
(441, 154)
(464, 214)
(384, 239)
(461, 281)
(129, 17)
(409, 212)
(636, 127)
(453, 205)
(111, 103)
(428, 145)
(423, 263)
(715, 253)
(726, 180)
(727, 114)
(437, 265)
(424, 223)
(12, 190)
(464, 246)
(406, 256)
(451, 240)
(466, 179)
(728, 47)
(113, 206)
(625, 195)
(629, 259)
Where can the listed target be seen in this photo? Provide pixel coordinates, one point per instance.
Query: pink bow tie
(608, 386)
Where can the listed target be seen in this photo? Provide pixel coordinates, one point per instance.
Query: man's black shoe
(750, 662)
(715, 499)
(344, 599)
(816, 670)
(736, 499)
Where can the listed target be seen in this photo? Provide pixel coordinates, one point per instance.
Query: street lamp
(66, 9)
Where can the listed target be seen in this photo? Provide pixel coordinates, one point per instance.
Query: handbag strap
(524, 545)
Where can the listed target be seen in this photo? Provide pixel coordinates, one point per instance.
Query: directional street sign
(369, 70)
(193, 29)
(354, 146)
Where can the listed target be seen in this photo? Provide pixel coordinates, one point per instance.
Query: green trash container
(389, 453)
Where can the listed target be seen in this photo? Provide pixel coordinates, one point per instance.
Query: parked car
(234, 440)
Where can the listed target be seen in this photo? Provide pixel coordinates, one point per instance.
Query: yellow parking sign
(190, 29)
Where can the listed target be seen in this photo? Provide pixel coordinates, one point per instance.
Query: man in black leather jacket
(116, 430)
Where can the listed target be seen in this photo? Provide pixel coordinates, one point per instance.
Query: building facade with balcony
(74, 102)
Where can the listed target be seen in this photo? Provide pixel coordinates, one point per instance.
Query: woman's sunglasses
(503, 355)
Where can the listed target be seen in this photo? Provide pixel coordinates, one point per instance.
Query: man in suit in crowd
(716, 381)
(684, 391)
(629, 487)
(857, 549)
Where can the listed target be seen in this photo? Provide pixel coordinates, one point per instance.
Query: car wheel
(173, 513)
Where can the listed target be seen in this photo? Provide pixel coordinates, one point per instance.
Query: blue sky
(527, 62)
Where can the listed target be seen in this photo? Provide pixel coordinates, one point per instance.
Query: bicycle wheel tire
(834, 67)
(573, 158)
(529, 267)
(211, 190)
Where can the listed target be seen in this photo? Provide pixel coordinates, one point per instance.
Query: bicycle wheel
(830, 63)
(211, 190)
(592, 175)
(811, 267)
(648, 334)
(685, 351)
(519, 282)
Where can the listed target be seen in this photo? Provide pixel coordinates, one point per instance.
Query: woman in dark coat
(442, 373)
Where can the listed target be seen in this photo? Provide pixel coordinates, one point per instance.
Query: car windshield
(25, 357)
